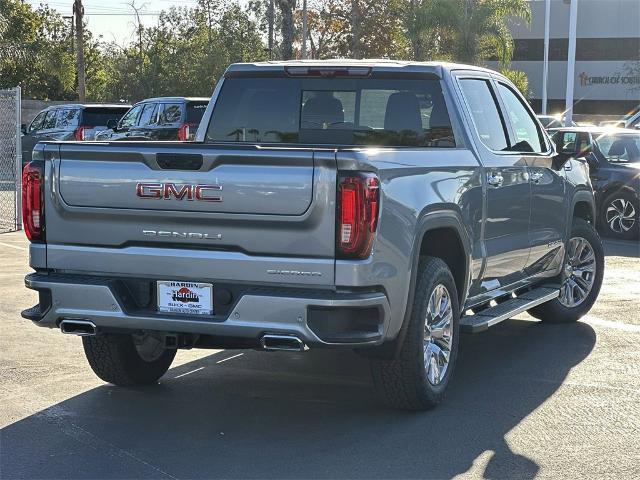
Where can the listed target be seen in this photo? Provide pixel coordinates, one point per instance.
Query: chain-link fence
(10, 160)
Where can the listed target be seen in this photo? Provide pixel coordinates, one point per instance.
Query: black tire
(402, 382)
(612, 226)
(555, 311)
(115, 359)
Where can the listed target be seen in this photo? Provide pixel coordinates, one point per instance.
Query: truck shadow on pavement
(313, 415)
(621, 248)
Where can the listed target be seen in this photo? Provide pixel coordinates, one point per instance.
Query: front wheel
(581, 277)
(417, 379)
(128, 360)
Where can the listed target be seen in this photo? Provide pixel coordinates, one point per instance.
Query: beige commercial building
(607, 69)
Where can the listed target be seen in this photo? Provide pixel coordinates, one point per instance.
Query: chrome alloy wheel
(579, 272)
(620, 215)
(438, 334)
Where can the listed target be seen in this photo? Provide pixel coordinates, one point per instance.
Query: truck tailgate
(197, 201)
(275, 183)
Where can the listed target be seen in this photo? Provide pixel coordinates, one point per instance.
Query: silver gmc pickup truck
(379, 206)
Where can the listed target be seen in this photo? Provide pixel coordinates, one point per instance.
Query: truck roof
(379, 65)
(88, 105)
(175, 99)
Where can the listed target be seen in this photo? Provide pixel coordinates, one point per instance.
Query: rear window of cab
(335, 111)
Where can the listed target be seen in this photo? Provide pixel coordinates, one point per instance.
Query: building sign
(587, 80)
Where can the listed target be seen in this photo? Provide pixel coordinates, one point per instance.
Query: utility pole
(545, 64)
(304, 29)
(78, 11)
(270, 15)
(355, 28)
(571, 63)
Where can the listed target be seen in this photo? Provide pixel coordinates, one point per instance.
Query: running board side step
(481, 321)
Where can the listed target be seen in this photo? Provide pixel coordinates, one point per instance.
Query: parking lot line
(627, 327)
(229, 358)
(192, 371)
(13, 246)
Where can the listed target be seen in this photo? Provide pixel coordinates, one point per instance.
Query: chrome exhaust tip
(82, 328)
(287, 343)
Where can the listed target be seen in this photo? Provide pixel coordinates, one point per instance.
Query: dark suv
(69, 122)
(613, 155)
(162, 118)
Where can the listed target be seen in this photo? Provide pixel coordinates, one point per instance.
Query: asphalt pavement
(528, 401)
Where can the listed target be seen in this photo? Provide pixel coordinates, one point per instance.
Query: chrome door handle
(494, 179)
(536, 177)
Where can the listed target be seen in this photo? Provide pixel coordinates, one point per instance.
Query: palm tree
(468, 31)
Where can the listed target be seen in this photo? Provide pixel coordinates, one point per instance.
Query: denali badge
(294, 272)
(185, 235)
(167, 191)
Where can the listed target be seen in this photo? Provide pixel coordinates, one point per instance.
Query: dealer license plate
(185, 297)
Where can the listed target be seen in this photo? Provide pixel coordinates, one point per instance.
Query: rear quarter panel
(415, 183)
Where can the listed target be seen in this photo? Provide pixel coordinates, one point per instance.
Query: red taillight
(358, 200)
(32, 201)
(183, 132)
(78, 133)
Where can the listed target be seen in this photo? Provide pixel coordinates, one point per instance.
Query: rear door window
(171, 113)
(68, 119)
(363, 111)
(484, 110)
(148, 115)
(528, 137)
(50, 120)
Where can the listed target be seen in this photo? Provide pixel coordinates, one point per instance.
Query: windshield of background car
(195, 111)
(620, 148)
(336, 111)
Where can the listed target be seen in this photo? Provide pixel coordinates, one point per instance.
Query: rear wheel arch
(617, 187)
(445, 243)
(583, 207)
(432, 229)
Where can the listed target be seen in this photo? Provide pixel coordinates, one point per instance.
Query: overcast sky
(113, 19)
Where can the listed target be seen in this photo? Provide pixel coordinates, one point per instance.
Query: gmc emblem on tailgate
(168, 191)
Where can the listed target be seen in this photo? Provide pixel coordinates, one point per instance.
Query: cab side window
(485, 113)
(528, 137)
